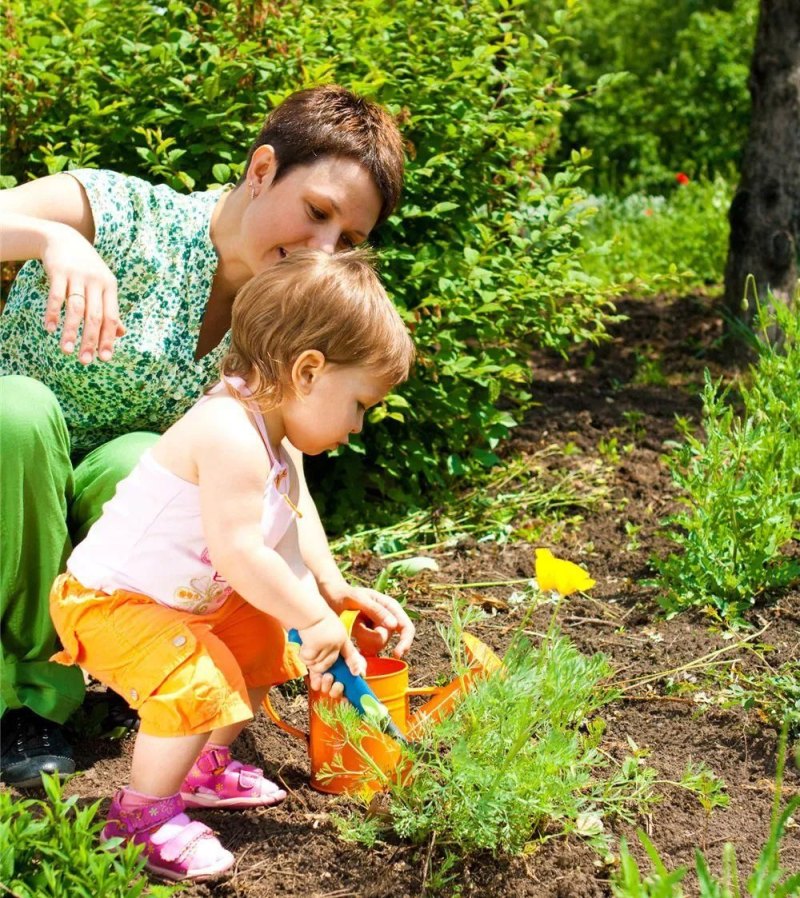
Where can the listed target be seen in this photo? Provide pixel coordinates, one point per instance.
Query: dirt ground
(617, 407)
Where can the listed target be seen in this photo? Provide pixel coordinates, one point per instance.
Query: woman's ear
(306, 371)
(262, 169)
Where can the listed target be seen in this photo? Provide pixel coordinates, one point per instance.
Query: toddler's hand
(381, 617)
(323, 642)
(356, 664)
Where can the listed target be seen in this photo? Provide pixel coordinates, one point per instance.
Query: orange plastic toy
(388, 678)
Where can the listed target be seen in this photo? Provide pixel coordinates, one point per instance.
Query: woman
(148, 277)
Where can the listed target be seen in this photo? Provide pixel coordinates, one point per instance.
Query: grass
(647, 243)
(768, 879)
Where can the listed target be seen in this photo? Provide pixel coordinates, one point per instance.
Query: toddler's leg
(150, 812)
(160, 763)
(257, 642)
(217, 780)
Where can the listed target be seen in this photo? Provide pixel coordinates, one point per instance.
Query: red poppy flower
(682, 178)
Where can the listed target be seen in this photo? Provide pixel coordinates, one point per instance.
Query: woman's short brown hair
(333, 121)
(335, 304)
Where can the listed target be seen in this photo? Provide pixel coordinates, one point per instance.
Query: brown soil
(629, 391)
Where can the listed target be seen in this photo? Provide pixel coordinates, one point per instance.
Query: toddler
(179, 596)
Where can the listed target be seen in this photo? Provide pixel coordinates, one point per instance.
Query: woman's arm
(51, 220)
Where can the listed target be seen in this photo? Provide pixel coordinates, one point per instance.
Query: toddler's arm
(232, 468)
(384, 612)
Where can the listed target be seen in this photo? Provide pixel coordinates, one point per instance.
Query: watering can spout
(482, 661)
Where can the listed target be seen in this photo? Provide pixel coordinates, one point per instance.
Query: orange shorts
(185, 673)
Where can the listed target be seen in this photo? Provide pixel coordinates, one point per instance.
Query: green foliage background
(683, 102)
(484, 258)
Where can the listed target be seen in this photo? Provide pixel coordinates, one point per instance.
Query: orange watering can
(339, 768)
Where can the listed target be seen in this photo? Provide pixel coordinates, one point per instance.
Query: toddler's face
(329, 406)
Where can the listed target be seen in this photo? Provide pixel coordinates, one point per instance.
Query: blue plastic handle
(358, 692)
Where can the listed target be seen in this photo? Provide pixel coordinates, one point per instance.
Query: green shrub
(679, 240)
(50, 849)
(483, 259)
(683, 104)
(740, 485)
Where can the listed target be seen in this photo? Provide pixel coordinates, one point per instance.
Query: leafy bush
(49, 849)
(741, 485)
(683, 103)
(678, 240)
(484, 257)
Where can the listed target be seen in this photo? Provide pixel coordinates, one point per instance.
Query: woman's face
(330, 205)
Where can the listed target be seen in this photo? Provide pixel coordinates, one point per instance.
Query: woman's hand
(381, 617)
(51, 219)
(81, 283)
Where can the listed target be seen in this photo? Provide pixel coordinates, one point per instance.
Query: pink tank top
(149, 538)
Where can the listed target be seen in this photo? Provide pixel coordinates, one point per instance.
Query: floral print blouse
(158, 245)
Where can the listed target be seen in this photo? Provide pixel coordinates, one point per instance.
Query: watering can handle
(348, 619)
(266, 704)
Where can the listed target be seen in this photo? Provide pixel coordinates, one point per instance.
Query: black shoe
(32, 746)
(103, 715)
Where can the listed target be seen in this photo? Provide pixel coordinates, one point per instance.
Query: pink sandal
(217, 781)
(175, 847)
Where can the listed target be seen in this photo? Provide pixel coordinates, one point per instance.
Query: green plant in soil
(769, 878)
(774, 692)
(740, 484)
(503, 504)
(50, 849)
(516, 762)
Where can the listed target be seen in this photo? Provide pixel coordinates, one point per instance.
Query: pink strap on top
(238, 384)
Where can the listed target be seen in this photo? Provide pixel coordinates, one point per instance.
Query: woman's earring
(252, 190)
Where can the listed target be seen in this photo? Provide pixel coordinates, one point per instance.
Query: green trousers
(46, 505)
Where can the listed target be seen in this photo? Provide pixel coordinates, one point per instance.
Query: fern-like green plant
(50, 849)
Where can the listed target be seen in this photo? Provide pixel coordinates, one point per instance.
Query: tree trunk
(765, 212)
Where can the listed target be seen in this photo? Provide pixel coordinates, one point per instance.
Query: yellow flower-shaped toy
(562, 576)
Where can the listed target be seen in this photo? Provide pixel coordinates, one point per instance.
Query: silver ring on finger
(70, 295)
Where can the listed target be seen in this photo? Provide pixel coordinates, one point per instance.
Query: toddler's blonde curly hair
(335, 304)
